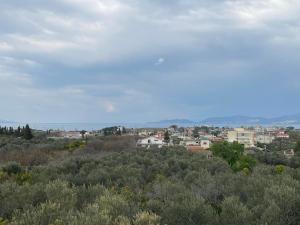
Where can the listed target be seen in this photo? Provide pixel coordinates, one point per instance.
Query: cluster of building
(177, 137)
(252, 136)
(61, 134)
(194, 139)
(57, 134)
(200, 139)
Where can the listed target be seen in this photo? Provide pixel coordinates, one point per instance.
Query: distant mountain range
(6, 121)
(232, 121)
(174, 121)
(236, 121)
(247, 120)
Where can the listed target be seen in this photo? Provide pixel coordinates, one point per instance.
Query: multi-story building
(242, 136)
(264, 138)
(282, 134)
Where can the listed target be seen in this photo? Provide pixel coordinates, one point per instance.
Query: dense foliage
(113, 130)
(234, 154)
(148, 187)
(24, 132)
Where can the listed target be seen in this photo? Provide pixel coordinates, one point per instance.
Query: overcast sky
(148, 60)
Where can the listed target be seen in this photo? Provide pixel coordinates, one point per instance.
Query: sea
(72, 126)
(99, 126)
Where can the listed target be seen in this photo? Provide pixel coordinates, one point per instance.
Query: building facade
(150, 141)
(242, 136)
(264, 138)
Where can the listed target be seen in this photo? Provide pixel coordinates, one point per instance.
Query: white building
(264, 138)
(242, 136)
(289, 153)
(259, 129)
(65, 134)
(188, 142)
(150, 141)
(144, 133)
(205, 144)
(282, 134)
(207, 136)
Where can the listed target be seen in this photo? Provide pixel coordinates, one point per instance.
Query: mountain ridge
(238, 120)
(6, 121)
(235, 120)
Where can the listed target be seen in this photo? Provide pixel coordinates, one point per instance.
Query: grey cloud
(105, 51)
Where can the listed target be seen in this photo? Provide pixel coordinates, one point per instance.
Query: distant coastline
(99, 126)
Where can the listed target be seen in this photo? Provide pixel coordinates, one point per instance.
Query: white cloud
(103, 7)
(108, 106)
(160, 61)
(52, 53)
(104, 30)
(4, 46)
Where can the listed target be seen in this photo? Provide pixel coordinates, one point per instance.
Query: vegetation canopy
(109, 181)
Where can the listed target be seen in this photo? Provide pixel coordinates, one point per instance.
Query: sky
(148, 60)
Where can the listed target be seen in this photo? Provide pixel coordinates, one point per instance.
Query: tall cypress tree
(167, 137)
(27, 132)
(18, 131)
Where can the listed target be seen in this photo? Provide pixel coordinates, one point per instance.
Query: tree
(167, 137)
(196, 132)
(231, 152)
(175, 127)
(244, 162)
(290, 128)
(18, 131)
(82, 133)
(204, 129)
(181, 129)
(216, 132)
(27, 132)
(281, 205)
(12, 168)
(235, 213)
(297, 148)
(107, 131)
(119, 131)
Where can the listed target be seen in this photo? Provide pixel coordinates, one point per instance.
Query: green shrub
(45, 214)
(22, 178)
(12, 168)
(146, 218)
(279, 169)
(235, 213)
(59, 192)
(3, 176)
(3, 221)
(151, 187)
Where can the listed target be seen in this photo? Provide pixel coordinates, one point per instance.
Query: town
(149, 112)
(196, 139)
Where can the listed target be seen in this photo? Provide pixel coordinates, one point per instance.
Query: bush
(146, 218)
(45, 214)
(157, 186)
(235, 213)
(279, 169)
(59, 192)
(12, 168)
